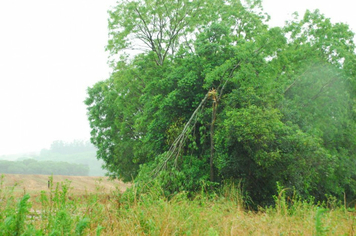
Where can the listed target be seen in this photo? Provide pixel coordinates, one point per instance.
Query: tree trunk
(212, 147)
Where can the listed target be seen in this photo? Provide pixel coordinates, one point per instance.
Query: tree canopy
(219, 95)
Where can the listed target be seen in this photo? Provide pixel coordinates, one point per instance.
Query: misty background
(51, 51)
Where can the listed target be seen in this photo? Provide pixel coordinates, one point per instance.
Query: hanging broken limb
(176, 147)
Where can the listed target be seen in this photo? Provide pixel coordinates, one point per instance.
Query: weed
(58, 211)
(319, 228)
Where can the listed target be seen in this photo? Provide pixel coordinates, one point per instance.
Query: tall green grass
(60, 211)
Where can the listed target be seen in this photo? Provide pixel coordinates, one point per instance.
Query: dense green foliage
(217, 95)
(31, 166)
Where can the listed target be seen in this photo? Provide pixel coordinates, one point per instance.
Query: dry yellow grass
(79, 184)
(107, 209)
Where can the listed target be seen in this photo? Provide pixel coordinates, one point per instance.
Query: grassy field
(78, 184)
(88, 206)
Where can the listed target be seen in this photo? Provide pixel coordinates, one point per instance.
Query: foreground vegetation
(60, 211)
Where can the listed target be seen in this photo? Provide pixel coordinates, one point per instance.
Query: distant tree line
(31, 166)
(76, 146)
(75, 152)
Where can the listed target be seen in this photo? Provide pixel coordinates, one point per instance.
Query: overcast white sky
(51, 51)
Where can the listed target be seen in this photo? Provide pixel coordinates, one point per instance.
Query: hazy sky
(51, 51)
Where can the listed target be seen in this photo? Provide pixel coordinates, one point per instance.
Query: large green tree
(217, 95)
